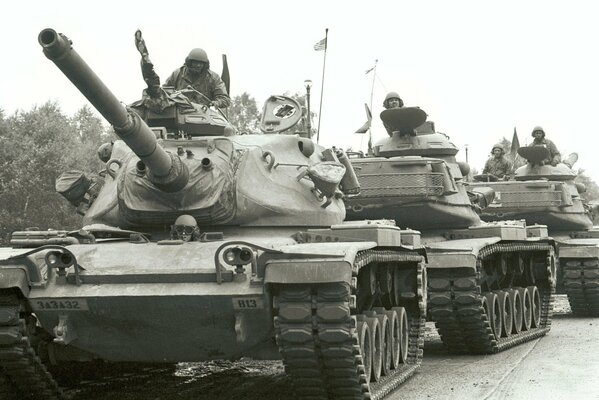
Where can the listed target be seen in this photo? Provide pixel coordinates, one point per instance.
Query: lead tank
(490, 285)
(545, 194)
(201, 244)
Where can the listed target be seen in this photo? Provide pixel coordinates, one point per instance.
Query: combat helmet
(185, 228)
(197, 54)
(497, 146)
(392, 95)
(537, 128)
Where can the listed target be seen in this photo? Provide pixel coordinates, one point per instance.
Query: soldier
(392, 100)
(539, 140)
(197, 74)
(497, 165)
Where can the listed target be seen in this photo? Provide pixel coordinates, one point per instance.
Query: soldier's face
(195, 67)
(395, 103)
(538, 134)
(497, 153)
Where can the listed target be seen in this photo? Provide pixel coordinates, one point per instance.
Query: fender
(15, 277)
(308, 271)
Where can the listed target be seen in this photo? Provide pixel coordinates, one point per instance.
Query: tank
(490, 284)
(548, 195)
(201, 244)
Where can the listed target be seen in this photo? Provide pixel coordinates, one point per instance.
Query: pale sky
(478, 68)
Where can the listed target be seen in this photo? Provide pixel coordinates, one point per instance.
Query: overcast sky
(478, 68)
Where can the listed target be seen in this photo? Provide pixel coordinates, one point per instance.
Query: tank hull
(558, 205)
(171, 301)
(159, 322)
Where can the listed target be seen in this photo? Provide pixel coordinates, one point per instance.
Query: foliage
(592, 189)
(243, 113)
(302, 126)
(37, 146)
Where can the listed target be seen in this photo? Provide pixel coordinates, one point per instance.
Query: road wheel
(494, 314)
(507, 312)
(535, 301)
(377, 347)
(365, 340)
(386, 339)
(404, 330)
(526, 308)
(518, 310)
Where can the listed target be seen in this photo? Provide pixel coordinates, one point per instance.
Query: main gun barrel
(166, 170)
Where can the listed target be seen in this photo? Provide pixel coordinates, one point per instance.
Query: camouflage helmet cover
(197, 54)
(389, 96)
(497, 146)
(537, 128)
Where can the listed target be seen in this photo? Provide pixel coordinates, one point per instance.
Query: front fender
(14, 278)
(308, 271)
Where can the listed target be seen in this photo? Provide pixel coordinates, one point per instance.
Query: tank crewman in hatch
(197, 74)
(539, 140)
(497, 165)
(392, 100)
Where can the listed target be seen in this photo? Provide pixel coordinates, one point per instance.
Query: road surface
(562, 365)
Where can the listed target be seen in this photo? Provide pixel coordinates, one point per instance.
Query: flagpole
(371, 96)
(324, 63)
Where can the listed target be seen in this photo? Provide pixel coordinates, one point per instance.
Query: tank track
(316, 333)
(581, 284)
(455, 301)
(21, 370)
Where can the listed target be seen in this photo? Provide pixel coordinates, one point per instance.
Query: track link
(581, 284)
(316, 332)
(21, 370)
(456, 306)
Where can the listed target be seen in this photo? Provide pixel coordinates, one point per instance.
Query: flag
(371, 69)
(225, 75)
(364, 128)
(515, 143)
(321, 45)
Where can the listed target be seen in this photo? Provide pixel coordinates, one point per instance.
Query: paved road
(562, 365)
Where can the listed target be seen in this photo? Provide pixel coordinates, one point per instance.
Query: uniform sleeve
(172, 79)
(554, 154)
(219, 93)
(487, 167)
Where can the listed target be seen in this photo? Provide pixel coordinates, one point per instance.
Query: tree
(302, 126)
(243, 113)
(592, 189)
(37, 146)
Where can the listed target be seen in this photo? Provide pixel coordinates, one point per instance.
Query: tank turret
(537, 168)
(198, 165)
(413, 177)
(164, 170)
